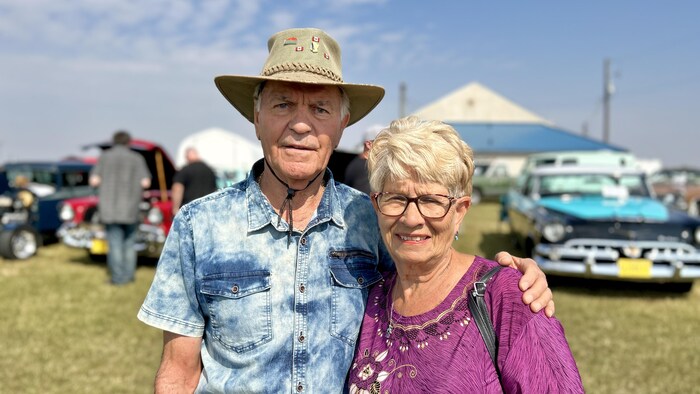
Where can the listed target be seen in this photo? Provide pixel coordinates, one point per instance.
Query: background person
(418, 334)
(121, 175)
(194, 180)
(23, 192)
(261, 285)
(356, 172)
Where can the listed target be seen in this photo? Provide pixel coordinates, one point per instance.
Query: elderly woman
(418, 334)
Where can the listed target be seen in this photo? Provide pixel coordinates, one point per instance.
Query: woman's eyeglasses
(431, 206)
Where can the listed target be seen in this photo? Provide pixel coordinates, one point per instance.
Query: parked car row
(602, 221)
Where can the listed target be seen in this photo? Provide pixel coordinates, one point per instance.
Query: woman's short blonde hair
(427, 151)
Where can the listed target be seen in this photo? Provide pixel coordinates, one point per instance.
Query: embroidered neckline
(437, 327)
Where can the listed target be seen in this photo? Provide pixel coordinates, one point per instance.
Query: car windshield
(50, 181)
(480, 169)
(607, 185)
(33, 175)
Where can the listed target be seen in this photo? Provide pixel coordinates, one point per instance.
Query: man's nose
(300, 121)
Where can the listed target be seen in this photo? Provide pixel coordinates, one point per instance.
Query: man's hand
(536, 291)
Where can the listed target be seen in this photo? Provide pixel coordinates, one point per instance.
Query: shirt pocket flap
(358, 275)
(236, 284)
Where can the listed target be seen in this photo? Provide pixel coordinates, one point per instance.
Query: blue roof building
(516, 139)
(495, 126)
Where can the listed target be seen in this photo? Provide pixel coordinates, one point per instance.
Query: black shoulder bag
(477, 306)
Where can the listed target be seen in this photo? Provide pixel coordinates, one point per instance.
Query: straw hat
(304, 55)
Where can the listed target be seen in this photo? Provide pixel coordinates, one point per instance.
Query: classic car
(679, 187)
(573, 158)
(25, 224)
(491, 180)
(603, 222)
(83, 229)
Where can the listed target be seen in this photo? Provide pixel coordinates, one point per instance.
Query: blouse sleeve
(533, 354)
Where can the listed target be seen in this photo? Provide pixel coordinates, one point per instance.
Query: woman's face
(412, 238)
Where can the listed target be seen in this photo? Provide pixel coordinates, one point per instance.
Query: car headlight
(66, 213)
(155, 216)
(697, 235)
(553, 232)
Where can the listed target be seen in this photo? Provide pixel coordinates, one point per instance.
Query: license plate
(634, 268)
(99, 246)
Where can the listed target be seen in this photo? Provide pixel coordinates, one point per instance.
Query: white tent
(228, 153)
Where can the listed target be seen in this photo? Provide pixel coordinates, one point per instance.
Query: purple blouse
(441, 351)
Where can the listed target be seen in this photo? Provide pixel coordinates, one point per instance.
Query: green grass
(63, 329)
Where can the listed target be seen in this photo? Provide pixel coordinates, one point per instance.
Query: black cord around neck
(288, 200)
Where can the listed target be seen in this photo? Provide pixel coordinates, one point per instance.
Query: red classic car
(82, 228)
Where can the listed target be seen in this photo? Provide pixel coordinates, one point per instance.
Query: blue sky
(72, 72)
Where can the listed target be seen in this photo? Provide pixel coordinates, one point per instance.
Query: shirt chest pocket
(352, 273)
(239, 308)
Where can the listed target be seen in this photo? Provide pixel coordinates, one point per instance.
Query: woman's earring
(457, 235)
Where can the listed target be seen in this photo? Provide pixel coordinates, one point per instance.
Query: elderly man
(261, 286)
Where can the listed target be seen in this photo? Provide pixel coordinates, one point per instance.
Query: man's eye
(322, 110)
(282, 105)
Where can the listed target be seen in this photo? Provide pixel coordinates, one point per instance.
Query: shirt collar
(261, 213)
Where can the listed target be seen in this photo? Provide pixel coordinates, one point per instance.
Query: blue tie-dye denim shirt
(275, 316)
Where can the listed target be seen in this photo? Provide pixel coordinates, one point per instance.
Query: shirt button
(303, 241)
(301, 337)
(360, 280)
(234, 289)
(300, 388)
(302, 288)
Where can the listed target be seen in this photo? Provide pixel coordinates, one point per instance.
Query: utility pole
(402, 100)
(607, 93)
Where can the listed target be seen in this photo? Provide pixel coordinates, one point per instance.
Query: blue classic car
(603, 222)
(29, 212)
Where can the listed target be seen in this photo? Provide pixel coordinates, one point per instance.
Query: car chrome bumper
(149, 238)
(648, 261)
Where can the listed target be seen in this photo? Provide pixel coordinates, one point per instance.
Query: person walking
(194, 180)
(120, 175)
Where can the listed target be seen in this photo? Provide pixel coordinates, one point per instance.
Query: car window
(480, 169)
(590, 184)
(75, 178)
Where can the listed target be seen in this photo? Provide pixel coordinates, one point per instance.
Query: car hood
(601, 208)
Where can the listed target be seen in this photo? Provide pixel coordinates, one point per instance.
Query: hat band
(303, 67)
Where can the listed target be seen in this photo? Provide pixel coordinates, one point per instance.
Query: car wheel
(19, 244)
(476, 196)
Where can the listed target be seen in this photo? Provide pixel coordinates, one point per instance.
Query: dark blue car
(29, 196)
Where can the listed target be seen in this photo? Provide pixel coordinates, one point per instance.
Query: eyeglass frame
(375, 197)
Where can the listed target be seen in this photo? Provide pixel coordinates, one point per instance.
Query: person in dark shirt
(194, 180)
(356, 171)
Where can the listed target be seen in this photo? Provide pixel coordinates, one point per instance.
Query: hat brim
(239, 89)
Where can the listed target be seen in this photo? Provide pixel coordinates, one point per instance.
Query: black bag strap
(477, 306)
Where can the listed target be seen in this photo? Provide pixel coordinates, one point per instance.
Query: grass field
(63, 329)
